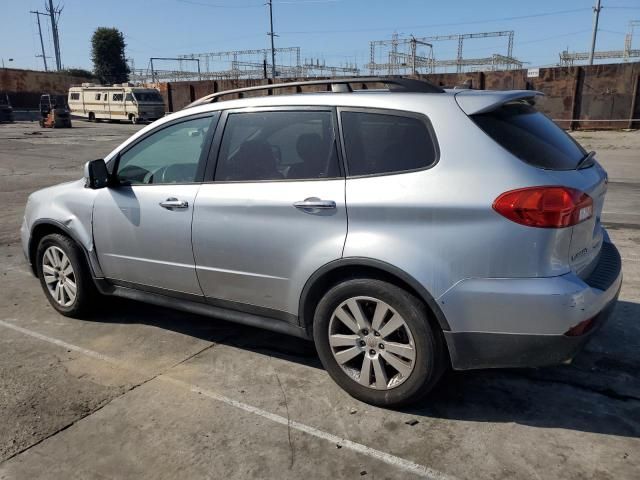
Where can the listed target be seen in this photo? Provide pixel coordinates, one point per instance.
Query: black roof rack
(336, 85)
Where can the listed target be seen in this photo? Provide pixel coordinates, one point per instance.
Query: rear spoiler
(473, 102)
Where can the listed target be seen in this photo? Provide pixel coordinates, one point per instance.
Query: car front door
(273, 212)
(142, 225)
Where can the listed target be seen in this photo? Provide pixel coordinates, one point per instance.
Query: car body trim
(109, 287)
(200, 308)
(379, 265)
(90, 255)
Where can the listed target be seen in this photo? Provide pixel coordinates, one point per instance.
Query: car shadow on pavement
(598, 393)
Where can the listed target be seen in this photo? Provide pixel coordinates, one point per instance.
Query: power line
(435, 25)
(217, 5)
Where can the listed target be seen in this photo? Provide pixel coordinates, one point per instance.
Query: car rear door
(142, 226)
(273, 211)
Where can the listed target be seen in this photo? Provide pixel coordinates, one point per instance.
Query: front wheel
(376, 342)
(134, 120)
(64, 276)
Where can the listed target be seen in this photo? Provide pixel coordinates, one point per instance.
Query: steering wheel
(135, 174)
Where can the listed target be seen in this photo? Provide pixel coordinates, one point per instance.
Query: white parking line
(398, 462)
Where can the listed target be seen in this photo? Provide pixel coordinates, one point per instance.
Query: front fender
(67, 208)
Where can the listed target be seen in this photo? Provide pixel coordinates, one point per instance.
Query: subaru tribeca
(403, 229)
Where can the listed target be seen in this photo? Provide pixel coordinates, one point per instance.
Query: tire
(47, 255)
(92, 117)
(415, 336)
(133, 119)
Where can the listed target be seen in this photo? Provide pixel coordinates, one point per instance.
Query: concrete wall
(25, 86)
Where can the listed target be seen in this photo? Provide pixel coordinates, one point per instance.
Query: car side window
(278, 145)
(377, 143)
(170, 155)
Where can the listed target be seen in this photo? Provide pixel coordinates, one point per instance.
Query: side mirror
(96, 174)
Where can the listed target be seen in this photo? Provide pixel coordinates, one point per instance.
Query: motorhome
(117, 102)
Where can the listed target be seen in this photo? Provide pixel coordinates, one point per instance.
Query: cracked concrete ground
(141, 392)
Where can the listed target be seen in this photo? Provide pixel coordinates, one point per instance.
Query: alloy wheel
(372, 343)
(59, 276)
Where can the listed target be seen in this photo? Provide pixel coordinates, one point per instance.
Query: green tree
(107, 53)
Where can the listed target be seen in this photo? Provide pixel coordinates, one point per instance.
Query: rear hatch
(512, 121)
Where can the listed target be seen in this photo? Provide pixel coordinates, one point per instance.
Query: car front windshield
(147, 97)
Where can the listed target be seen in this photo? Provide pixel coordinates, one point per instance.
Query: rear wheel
(92, 117)
(376, 342)
(64, 276)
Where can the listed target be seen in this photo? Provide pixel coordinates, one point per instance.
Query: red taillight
(545, 207)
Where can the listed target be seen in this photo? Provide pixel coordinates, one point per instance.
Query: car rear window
(377, 143)
(531, 136)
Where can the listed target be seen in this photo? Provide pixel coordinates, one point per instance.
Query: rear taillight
(545, 207)
(580, 329)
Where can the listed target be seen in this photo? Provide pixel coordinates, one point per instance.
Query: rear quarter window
(378, 143)
(531, 136)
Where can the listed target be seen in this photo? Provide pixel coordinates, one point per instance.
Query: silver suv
(402, 229)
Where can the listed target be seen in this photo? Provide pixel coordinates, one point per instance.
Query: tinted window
(75, 96)
(170, 155)
(278, 145)
(147, 96)
(97, 96)
(531, 136)
(380, 143)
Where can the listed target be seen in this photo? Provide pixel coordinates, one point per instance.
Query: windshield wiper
(586, 161)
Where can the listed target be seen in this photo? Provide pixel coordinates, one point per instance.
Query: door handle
(173, 202)
(314, 203)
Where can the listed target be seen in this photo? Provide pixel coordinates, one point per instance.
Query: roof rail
(336, 85)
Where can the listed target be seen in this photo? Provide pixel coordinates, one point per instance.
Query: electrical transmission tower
(401, 54)
(54, 15)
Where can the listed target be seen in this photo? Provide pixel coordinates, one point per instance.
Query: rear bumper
(472, 350)
(523, 322)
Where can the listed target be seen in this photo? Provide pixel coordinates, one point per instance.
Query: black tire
(133, 119)
(92, 117)
(86, 293)
(430, 361)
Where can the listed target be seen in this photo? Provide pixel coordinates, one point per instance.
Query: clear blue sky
(337, 31)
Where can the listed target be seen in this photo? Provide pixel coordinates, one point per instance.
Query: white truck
(116, 102)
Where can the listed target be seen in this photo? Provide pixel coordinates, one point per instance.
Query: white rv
(117, 102)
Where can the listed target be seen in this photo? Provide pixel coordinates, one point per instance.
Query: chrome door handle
(315, 204)
(173, 203)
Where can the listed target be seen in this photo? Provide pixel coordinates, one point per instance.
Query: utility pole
(271, 34)
(53, 13)
(44, 57)
(596, 15)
